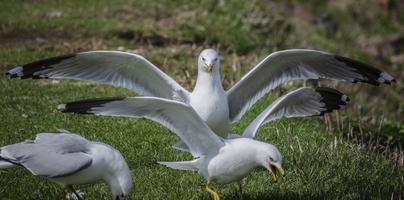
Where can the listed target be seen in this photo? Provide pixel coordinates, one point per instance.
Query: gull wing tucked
(50, 155)
(297, 64)
(116, 68)
(176, 116)
(301, 102)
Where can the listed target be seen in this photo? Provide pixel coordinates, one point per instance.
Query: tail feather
(181, 146)
(233, 136)
(182, 165)
(5, 164)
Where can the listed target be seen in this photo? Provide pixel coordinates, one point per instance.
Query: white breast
(213, 108)
(233, 162)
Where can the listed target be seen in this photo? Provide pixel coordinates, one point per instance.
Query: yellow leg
(214, 195)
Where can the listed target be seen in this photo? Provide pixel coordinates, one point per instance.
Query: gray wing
(50, 155)
(295, 64)
(176, 116)
(120, 69)
(66, 141)
(299, 103)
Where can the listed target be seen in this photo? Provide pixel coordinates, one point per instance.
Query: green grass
(350, 157)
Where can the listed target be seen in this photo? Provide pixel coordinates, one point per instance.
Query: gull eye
(271, 159)
(215, 60)
(203, 59)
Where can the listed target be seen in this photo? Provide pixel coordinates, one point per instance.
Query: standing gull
(69, 159)
(223, 160)
(217, 107)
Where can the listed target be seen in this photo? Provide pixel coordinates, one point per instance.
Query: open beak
(210, 67)
(273, 169)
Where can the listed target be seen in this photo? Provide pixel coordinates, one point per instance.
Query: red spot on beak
(272, 169)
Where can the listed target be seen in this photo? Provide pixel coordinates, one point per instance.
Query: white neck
(114, 185)
(119, 177)
(207, 80)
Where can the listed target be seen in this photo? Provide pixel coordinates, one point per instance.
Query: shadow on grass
(387, 139)
(285, 195)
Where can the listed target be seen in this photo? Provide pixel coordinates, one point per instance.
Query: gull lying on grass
(217, 107)
(223, 160)
(69, 159)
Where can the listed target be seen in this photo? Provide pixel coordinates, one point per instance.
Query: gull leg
(65, 192)
(214, 195)
(75, 193)
(240, 189)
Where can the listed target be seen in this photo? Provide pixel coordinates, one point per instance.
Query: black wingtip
(33, 69)
(332, 98)
(12, 76)
(14, 72)
(86, 106)
(9, 75)
(370, 74)
(390, 82)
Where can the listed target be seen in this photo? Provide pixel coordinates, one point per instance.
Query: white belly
(95, 172)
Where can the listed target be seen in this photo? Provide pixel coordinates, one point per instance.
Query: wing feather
(180, 118)
(297, 64)
(119, 69)
(299, 103)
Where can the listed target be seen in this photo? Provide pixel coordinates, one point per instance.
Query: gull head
(120, 178)
(208, 61)
(270, 158)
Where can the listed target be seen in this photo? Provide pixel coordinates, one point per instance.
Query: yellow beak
(273, 172)
(281, 171)
(210, 67)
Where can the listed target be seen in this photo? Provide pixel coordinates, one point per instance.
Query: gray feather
(50, 155)
(182, 165)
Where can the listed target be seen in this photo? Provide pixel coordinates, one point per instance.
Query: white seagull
(223, 160)
(217, 107)
(69, 159)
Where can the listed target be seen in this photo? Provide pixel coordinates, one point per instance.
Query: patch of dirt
(154, 39)
(79, 40)
(33, 35)
(66, 40)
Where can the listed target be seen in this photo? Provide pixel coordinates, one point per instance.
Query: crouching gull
(69, 159)
(217, 107)
(223, 160)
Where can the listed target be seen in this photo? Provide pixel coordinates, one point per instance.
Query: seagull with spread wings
(223, 160)
(69, 159)
(217, 107)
